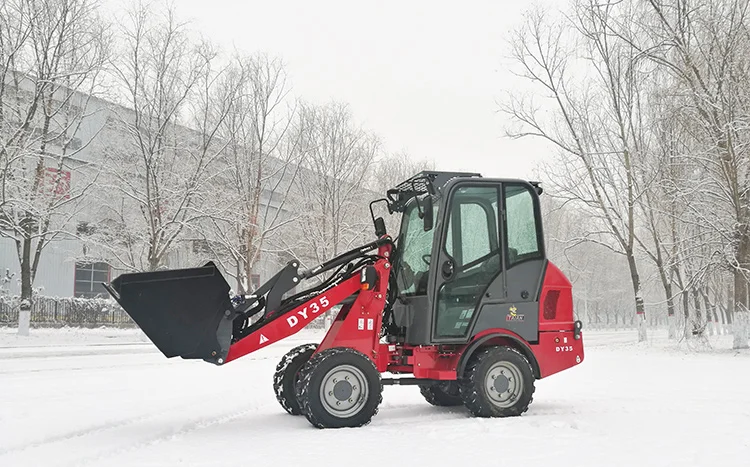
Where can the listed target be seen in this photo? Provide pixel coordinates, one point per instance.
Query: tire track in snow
(166, 435)
(401, 413)
(33, 371)
(93, 430)
(89, 435)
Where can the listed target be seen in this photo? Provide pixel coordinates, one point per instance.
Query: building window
(89, 278)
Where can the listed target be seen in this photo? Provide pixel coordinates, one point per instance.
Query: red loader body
(476, 327)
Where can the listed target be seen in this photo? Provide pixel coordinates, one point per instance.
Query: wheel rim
(344, 391)
(504, 384)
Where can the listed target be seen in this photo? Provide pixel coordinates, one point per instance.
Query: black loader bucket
(183, 311)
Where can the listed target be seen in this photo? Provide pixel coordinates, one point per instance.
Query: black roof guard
(420, 184)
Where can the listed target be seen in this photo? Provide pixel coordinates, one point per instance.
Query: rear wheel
(286, 376)
(445, 394)
(497, 382)
(339, 388)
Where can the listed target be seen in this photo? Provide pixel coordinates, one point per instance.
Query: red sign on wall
(58, 182)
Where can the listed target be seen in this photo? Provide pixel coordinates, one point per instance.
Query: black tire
(285, 377)
(445, 394)
(493, 372)
(356, 397)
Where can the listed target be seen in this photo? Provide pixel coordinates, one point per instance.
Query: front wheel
(498, 382)
(339, 388)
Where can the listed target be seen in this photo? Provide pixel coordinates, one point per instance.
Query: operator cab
(469, 257)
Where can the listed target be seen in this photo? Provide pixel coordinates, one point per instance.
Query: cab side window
(475, 232)
(522, 229)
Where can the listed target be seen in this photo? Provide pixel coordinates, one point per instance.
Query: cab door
(490, 262)
(469, 258)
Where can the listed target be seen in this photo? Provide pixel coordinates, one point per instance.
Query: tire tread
(435, 395)
(304, 392)
(283, 396)
(472, 380)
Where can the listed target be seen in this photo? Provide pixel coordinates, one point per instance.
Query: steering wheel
(426, 259)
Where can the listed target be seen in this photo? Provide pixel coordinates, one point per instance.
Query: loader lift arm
(190, 313)
(268, 297)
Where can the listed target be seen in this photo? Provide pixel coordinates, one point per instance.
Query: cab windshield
(415, 246)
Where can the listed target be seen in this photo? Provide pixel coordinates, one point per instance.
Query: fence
(72, 312)
(49, 312)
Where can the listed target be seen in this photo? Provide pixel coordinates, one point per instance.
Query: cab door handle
(448, 269)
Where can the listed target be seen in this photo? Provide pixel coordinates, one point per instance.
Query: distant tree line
(200, 147)
(647, 106)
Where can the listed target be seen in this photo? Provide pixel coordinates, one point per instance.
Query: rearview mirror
(379, 227)
(426, 213)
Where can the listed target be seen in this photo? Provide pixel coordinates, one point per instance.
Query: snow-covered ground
(108, 398)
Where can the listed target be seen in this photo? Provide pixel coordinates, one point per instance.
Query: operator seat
(512, 255)
(421, 282)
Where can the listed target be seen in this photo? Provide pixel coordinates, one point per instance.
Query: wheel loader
(463, 303)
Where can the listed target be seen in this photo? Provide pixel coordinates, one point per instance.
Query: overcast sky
(424, 75)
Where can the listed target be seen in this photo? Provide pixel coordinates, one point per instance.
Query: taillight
(550, 304)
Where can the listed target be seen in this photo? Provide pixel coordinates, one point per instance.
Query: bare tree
(395, 168)
(600, 290)
(52, 54)
(596, 126)
(330, 191)
(165, 140)
(651, 103)
(261, 161)
(660, 203)
(704, 45)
